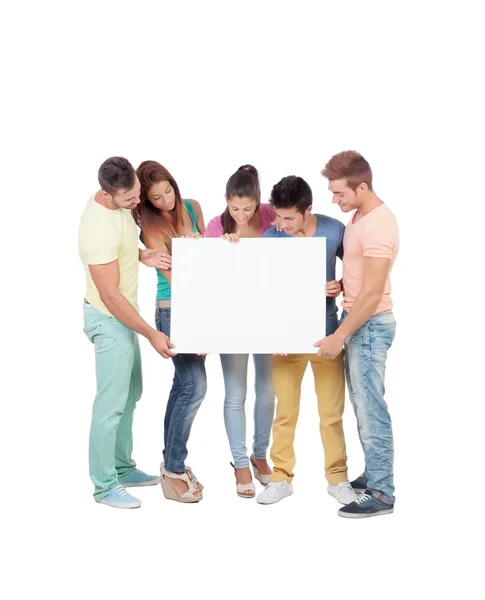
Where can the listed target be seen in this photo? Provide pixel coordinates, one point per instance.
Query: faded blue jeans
(365, 367)
(188, 390)
(235, 371)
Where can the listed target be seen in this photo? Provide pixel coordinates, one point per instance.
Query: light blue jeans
(235, 371)
(365, 367)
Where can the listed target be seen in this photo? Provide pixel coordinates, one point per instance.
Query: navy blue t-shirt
(333, 230)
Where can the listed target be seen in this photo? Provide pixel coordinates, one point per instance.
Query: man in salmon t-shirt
(367, 327)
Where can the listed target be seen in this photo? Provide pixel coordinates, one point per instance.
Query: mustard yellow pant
(288, 373)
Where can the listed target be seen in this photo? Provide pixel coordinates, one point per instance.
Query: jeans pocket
(90, 330)
(383, 331)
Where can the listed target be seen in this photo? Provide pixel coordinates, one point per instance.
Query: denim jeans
(118, 389)
(365, 367)
(235, 371)
(188, 390)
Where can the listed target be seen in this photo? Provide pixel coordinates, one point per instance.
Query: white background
(204, 87)
(249, 294)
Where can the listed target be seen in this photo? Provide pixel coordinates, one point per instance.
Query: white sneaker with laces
(343, 492)
(274, 492)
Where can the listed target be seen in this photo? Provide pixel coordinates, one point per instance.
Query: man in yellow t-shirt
(108, 247)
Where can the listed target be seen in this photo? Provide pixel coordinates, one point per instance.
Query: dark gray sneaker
(366, 506)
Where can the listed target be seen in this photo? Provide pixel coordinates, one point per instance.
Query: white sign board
(259, 296)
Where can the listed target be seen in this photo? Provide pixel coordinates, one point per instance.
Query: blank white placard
(259, 296)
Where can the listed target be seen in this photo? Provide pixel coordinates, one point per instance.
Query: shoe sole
(119, 504)
(186, 500)
(143, 484)
(365, 516)
(279, 499)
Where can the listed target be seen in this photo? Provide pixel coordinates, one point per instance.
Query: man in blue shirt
(292, 200)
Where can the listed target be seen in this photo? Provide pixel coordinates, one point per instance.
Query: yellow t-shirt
(104, 236)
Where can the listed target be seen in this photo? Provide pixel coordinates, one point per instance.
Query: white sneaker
(343, 492)
(274, 492)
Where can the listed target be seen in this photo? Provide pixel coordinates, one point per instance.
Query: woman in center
(246, 217)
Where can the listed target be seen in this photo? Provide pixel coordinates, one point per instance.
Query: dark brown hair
(292, 192)
(116, 173)
(244, 183)
(149, 218)
(351, 166)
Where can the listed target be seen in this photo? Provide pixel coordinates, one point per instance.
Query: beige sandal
(170, 493)
(194, 478)
(192, 475)
(262, 478)
(244, 487)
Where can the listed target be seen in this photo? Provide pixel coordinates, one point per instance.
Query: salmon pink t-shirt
(376, 235)
(266, 214)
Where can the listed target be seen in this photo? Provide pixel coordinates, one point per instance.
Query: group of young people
(146, 204)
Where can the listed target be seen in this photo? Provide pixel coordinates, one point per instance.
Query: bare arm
(107, 279)
(155, 258)
(374, 278)
(158, 243)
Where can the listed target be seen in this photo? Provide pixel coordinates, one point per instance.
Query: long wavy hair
(149, 218)
(243, 183)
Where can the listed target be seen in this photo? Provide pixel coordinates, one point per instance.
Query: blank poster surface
(259, 296)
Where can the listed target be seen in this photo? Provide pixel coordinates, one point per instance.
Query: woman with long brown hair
(162, 215)
(246, 217)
